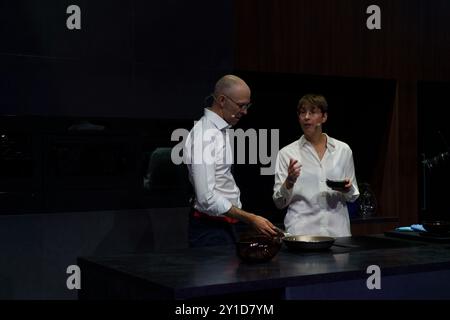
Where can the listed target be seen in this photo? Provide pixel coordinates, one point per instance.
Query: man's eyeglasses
(243, 107)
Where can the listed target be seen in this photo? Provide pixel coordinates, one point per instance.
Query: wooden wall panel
(434, 40)
(407, 160)
(327, 37)
(388, 168)
(372, 228)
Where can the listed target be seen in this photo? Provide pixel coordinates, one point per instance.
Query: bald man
(208, 155)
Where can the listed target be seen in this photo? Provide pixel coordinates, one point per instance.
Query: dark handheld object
(258, 248)
(437, 227)
(308, 242)
(336, 184)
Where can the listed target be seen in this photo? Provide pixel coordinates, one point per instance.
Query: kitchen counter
(216, 272)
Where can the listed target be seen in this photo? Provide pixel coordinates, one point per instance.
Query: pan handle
(282, 232)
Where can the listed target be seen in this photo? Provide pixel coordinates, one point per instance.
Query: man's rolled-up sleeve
(202, 151)
(204, 182)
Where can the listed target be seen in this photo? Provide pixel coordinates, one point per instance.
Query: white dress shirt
(208, 155)
(314, 208)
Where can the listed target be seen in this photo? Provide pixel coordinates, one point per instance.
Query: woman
(301, 173)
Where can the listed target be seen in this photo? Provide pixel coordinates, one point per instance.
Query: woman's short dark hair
(316, 100)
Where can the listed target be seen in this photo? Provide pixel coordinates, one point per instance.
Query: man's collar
(217, 120)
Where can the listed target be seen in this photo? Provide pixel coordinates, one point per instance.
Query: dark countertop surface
(419, 236)
(217, 270)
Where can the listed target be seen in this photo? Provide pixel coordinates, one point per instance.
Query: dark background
(141, 69)
(434, 135)
(135, 58)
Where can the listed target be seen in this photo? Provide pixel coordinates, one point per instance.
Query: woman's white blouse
(313, 207)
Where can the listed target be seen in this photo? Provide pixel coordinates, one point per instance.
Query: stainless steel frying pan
(308, 242)
(305, 242)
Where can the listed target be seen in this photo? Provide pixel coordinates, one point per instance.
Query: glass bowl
(258, 248)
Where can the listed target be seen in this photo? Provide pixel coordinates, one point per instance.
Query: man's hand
(293, 173)
(260, 224)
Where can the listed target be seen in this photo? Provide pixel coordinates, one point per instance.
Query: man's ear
(221, 101)
(325, 117)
